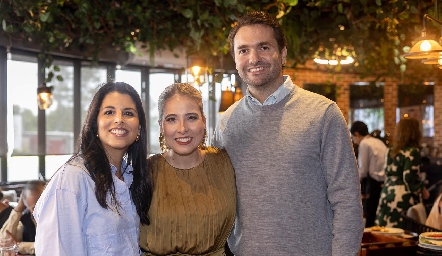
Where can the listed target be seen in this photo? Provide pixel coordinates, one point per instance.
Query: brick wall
(309, 74)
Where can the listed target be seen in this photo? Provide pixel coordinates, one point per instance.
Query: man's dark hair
(359, 127)
(258, 18)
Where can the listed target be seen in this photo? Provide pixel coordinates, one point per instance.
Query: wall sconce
(197, 67)
(44, 96)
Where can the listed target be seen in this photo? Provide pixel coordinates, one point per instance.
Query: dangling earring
(162, 141)
(139, 134)
(202, 145)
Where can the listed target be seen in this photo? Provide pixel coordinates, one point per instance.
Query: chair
(413, 225)
(11, 195)
(418, 213)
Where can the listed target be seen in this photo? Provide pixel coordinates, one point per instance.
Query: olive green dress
(192, 210)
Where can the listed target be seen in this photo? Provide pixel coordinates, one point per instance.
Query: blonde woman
(194, 197)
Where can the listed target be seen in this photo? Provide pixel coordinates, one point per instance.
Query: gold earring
(202, 145)
(138, 137)
(162, 141)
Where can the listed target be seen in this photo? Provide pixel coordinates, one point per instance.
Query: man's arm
(343, 187)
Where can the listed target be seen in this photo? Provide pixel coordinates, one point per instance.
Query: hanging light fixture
(44, 96)
(426, 48)
(197, 67)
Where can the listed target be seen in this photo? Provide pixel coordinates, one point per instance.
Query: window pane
(158, 82)
(22, 118)
(91, 79)
(53, 163)
(21, 168)
(367, 105)
(372, 117)
(417, 100)
(22, 106)
(130, 77)
(59, 116)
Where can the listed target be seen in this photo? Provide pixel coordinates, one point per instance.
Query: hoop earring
(162, 141)
(202, 145)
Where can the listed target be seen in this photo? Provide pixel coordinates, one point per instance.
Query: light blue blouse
(70, 221)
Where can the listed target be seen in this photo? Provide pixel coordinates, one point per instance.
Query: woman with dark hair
(94, 203)
(194, 197)
(402, 186)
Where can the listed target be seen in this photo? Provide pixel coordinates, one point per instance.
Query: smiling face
(183, 125)
(118, 123)
(258, 59)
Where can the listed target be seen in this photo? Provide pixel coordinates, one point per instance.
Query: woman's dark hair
(258, 18)
(97, 162)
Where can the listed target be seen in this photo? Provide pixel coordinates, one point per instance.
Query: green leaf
(340, 8)
(4, 25)
(291, 2)
(403, 67)
(378, 2)
(187, 13)
(59, 78)
(45, 17)
(56, 68)
(218, 78)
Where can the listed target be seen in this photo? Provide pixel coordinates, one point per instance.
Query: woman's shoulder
(71, 176)
(154, 158)
(215, 150)
(217, 155)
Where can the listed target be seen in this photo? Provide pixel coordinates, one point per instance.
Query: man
(371, 162)
(20, 227)
(5, 209)
(296, 173)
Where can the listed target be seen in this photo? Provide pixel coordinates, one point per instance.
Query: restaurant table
(376, 244)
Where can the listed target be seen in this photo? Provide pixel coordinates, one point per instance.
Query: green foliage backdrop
(376, 33)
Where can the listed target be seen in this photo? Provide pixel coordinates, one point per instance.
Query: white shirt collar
(275, 97)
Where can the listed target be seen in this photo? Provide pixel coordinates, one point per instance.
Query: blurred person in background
(403, 187)
(5, 209)
(20, 227)
(371, 164)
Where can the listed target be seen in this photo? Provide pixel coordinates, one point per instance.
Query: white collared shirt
(275, 97)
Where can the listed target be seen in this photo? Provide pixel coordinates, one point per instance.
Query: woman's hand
(8, 240)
